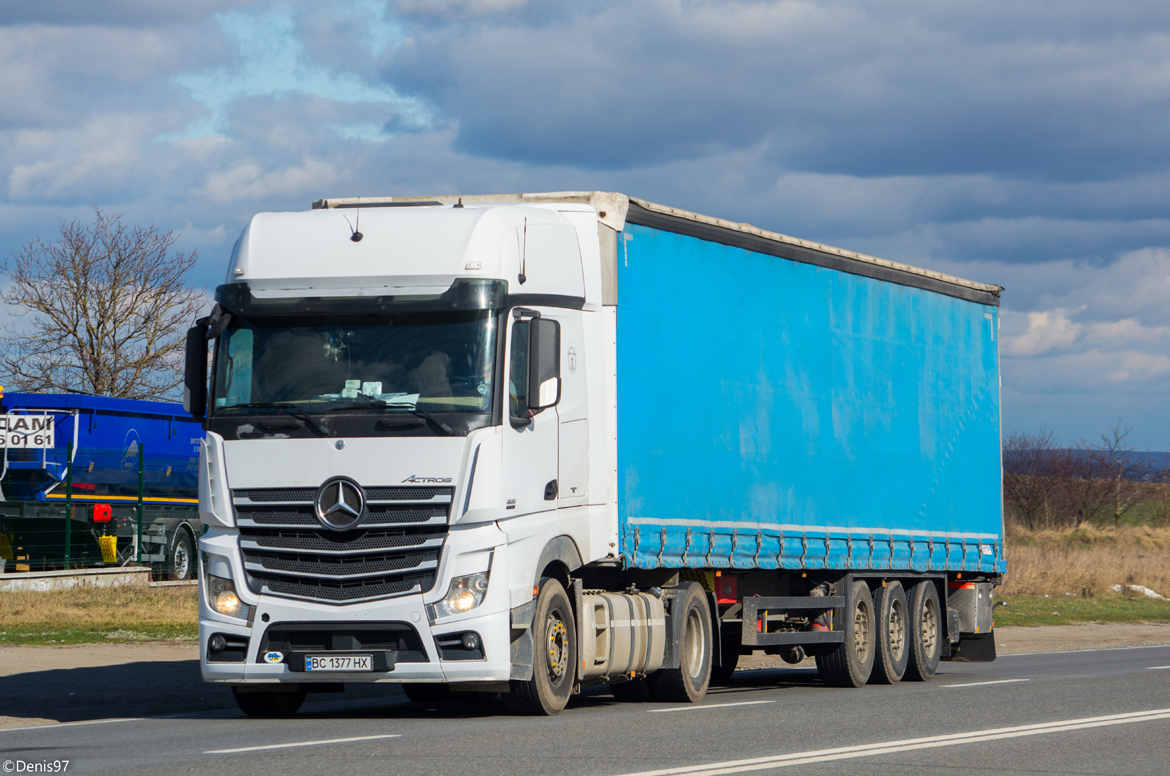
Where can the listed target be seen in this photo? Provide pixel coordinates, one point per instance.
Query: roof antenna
(524, 254)
(356, 236)
(459, 203)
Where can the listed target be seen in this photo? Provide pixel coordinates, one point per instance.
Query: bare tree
(107, 311)
(1086, 488)
(1032, 471)
(1124, 470)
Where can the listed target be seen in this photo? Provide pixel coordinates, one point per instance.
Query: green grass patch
(88, 615)
(1066, 610)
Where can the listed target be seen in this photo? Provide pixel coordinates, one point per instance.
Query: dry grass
(111, 613)
(1087, 562)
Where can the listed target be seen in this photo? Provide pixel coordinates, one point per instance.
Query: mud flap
(522, 645)
(974, 648)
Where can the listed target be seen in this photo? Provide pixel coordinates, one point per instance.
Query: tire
(635, 691)
(893, 634)
(729, 658)
(269, 704)
(688, 683)
(181, 559)
(850, 663)
(554, 656)
(926, 632)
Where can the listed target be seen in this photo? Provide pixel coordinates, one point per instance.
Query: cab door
(531, 438)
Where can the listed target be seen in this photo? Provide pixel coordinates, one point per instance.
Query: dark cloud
(860, 89)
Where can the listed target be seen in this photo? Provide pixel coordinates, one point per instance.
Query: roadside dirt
(46, 684)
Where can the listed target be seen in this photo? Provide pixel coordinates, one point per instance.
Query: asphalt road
(1090, 712)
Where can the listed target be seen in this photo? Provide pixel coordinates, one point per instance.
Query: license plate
(339, 663)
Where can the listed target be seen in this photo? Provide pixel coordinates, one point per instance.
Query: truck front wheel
(925, 632)
(269, 704)
(554, 659)
(850, 663)
(688, 683)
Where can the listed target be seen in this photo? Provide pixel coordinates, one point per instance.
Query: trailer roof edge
(615, 209)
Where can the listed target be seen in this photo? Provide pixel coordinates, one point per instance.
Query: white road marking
(981, 684)
(907, 745)
(300, 743)
(709, 706)
(1157, 668)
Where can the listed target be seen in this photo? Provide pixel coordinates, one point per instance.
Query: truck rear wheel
(554, 659)
(925, 632)
(688, 683)
(849, 663)
(268, 703)
(893, 634)
(181, 560)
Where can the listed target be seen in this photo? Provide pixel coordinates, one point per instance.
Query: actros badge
(340, 503)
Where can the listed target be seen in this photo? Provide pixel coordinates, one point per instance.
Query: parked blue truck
(526, 443)
(105, 437)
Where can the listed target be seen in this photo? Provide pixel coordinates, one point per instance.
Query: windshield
(426, 362)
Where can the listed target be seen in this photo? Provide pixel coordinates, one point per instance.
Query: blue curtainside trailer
(102, 457)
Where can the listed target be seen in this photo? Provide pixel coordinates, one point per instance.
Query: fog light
(471, 641)
(217, 643)
(465, 594)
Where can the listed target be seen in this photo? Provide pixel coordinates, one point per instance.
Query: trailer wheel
(893, 634)
(554, 659)
(688, 683)
(269, 704)
(926, 632)
(850, 663)
(181, 560)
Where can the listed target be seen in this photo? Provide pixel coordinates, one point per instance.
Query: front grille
(393, 550)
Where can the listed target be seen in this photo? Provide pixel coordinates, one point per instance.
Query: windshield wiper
(293, 409)
(380, 404)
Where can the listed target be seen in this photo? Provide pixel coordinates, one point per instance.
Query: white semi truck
(525, 443)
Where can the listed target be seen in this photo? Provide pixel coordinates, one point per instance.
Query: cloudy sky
(1023, 143)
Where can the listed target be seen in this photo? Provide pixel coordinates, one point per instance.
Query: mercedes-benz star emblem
(340, 503)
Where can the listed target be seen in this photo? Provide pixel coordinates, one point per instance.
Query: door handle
(550, 490)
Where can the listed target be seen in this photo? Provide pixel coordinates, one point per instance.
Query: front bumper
(465, 553)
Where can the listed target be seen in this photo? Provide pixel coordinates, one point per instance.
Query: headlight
(465, 594)
(221, 596)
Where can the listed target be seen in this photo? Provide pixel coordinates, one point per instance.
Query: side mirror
(544, 364)
(195, 374)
